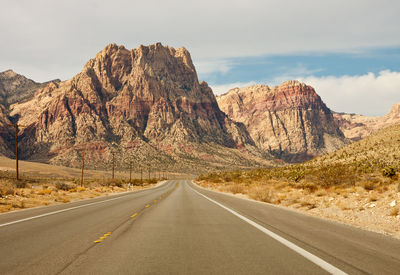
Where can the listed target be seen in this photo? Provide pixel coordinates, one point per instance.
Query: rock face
(289, 121)
(147, 104)
(13, 88)
(356, 127)
(17, 88)
(7, 135)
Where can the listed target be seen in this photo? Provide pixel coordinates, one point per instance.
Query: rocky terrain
(357, 184)
(13, 88)
(16, 88)
(290, 121)
(356, 127)
(6, 134)
(144, 105)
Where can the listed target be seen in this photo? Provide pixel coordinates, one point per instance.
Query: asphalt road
(178, 228)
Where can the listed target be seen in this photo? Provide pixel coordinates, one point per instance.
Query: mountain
(356, 127)
(7, 134)
(289, 121)
(13, 88)
(146, 105)
(17, 88)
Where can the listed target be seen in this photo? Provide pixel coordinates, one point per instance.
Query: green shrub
(389, 172)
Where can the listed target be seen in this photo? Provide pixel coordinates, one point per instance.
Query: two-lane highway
(178, 228)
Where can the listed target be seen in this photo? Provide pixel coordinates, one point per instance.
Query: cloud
(36, 34)
(223, 88)
(368, 94)
(222, 66)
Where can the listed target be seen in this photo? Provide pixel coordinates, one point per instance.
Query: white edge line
(68, 209)
(59, 211)
(316, 260)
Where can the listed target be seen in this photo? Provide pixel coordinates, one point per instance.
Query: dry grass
(31, 192)
(355, 184)
(394, 212)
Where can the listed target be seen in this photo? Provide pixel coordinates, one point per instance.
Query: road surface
(179, 228)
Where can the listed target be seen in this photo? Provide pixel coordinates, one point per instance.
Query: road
(179, 228)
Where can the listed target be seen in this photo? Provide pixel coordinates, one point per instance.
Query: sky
(349, 51)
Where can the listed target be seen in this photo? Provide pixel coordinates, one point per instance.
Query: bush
(235, 188)
(63, 186)
(389, 172)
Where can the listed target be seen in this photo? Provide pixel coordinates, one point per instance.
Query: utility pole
(113, 164)
(83, 166)
(16, 126)
(141, 175)
(149, 172)
(130, 171)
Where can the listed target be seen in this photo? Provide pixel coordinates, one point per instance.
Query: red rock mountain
(145, 104)
(289, 121)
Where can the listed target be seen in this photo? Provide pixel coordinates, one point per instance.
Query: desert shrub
(261, 193)
(63, 186)
(297, 174)
(368, 185)
(389, 172)
(20, 184)
(311, 187)
(394, 212)
(235, 188)
(149, 181)
(44, 192)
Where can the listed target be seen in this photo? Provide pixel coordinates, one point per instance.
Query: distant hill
(374, 152)
(16, 88)
(356, 127)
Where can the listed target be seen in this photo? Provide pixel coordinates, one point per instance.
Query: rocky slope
(7, 134)
(356, 127)
(146, 105)
(289, 121)
(17, 88)
(13, 88)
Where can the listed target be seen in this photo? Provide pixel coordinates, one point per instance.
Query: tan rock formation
(356, 127)
(17, 88)
(289, 121)
(146, 102)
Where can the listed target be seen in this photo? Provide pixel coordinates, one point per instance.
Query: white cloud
(369, 94)
(36, 34)
(223, 88)
(214, 66)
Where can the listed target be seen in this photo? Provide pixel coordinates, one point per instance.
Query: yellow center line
(134, 215)
(98, 241)
(147, 205)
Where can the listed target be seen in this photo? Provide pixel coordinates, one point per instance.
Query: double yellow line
(99, 240)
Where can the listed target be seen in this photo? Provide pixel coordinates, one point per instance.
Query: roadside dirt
(374, 210)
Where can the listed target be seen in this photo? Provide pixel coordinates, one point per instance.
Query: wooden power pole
(83, 166)
(113, 164)
(16, 126)
(130, 171)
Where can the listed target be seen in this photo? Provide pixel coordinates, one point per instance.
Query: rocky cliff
(13, 88)
(289, 121)
(17, 88)
(145, 104)
(356, 127)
